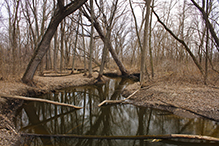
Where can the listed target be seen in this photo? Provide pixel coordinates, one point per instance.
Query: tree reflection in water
(120, 119)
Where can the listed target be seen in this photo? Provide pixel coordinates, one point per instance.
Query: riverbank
(183, 98)
(9, 136)
(179, 97)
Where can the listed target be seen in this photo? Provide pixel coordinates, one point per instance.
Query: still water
(110, 120)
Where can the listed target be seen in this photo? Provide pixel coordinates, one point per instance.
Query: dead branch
(117, 101)
(38, 100)
(181, 41)
(168, 136)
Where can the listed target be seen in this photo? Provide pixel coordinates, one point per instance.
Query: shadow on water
(111, 120)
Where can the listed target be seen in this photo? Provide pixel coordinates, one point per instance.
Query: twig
(117, 101)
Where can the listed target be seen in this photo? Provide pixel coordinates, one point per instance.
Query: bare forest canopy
(150, 37)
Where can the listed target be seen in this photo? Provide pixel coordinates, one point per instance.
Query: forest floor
(183, 97)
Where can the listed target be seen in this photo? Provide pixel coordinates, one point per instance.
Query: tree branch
(181, 41)
(208, 24)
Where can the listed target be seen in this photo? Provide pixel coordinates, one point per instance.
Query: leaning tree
(60, 12)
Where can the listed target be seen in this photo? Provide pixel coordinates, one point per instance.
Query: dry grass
(182, 71)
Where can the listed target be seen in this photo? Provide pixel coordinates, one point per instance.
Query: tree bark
(60, 14)
(91, 39)
(55, 52)
(150, 48)
(61, 46)
(143, 70)
(83, 45)
(75, 46)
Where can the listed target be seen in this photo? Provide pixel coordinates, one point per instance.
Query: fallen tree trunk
(56, 75)
(38, 100)
(168, 136)
(117, 101)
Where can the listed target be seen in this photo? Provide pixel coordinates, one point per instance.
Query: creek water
(109, 120)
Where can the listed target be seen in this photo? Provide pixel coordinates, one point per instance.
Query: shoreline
(185, 100)
(9, 136)
(182, 99)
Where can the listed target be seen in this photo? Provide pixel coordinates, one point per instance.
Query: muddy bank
(9, 136)
(186, 100)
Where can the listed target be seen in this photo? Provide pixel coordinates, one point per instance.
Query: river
(109, 120)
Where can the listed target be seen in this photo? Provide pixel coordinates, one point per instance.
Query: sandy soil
(182, 98)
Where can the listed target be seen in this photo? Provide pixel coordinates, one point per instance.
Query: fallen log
(117, 101)
(168, 136)
(56, 75)
(38, 100)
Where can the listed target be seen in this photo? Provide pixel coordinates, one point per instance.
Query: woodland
(148, 37)
(159, 41)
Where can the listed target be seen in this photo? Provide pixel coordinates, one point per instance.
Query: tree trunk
(206, 49)
(45, 42)
(108, 45)
(62, 46)
(103, 61)
(91, 39)
(150, 48)
(55, 52)
(145, 45)
(75, 46)
(84, 50)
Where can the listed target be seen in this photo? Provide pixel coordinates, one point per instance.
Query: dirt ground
(182, 98)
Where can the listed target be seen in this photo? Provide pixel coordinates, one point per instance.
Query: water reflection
(123, 119)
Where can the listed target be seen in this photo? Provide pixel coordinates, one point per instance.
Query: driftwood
(38, 100)
(117, 101)
(168, 136)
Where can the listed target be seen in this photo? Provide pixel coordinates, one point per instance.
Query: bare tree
(12, 30)
(59, 14)
(62, 31)
(106, 42)
(150, 38)
(108, 36)
(208, 24)
(182, 42)
(83, 45)
(75, 45)
(91, 38)
(145, 45)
